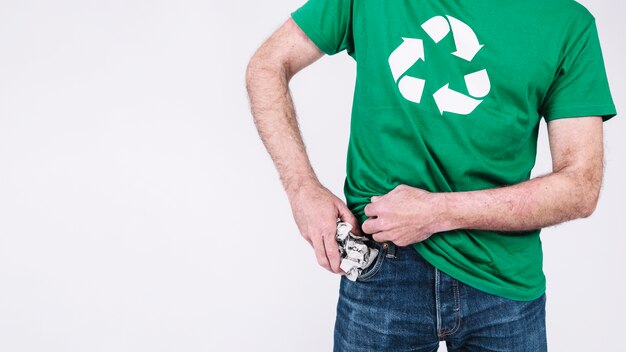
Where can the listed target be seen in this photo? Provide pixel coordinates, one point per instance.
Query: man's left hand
(404, 216)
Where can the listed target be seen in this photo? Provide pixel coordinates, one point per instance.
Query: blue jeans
(403, 303)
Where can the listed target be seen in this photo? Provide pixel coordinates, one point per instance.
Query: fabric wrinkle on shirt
(449, 96)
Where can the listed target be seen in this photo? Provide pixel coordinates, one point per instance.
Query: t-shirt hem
(312, 33)
(527, 295)
(607, 111)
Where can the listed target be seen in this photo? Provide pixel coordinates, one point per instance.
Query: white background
(139, 210)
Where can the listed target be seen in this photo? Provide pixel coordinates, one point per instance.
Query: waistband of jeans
(391, 247)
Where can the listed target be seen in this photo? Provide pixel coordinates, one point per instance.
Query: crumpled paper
(355, 254)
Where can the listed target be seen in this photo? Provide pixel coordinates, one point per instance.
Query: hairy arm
(570, 191)
(407, 214)
(269, 71)
(315, 209)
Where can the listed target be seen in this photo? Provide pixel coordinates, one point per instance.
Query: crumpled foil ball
(356, 255)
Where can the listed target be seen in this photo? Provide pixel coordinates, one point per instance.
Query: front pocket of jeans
(375, 267)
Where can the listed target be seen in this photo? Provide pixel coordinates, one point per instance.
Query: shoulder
(568, 20)
(572, 10)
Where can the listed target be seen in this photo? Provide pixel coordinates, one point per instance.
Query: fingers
(320, 252)
(370, 210)
(346, 216)
(373, 225)
(381, 236)
(332, 253)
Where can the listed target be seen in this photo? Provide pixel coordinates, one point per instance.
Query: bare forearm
(536, 203)
(275, 119)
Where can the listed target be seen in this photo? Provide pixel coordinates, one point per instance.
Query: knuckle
(321, 260)
(329, 232)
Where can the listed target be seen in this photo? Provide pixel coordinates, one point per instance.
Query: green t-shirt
(448, 97)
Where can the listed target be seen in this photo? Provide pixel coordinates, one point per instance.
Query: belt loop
(391, 249)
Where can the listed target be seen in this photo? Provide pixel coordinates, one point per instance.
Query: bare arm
(315, 209)
(408, 214)
(275, 62)
(571, 191)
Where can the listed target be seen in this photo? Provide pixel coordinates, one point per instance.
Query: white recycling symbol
(467, 46)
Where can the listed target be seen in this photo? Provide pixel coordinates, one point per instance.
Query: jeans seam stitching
(457, 323)
(377, 266)
(439, 331)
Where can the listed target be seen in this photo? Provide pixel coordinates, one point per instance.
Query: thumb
(346, 216)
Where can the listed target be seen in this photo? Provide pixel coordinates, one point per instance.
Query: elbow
(589, 204)
(251, 69)
(588, 209)
(255, 62)
(588, 185)
(264, 66)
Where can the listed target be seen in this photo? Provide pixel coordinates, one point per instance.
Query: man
(448, 100)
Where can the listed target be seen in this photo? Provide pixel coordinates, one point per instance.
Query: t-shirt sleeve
(580, 87)
(328, 23)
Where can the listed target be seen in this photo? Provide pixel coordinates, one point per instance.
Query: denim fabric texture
(403, 303)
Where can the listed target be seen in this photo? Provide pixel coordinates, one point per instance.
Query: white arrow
(437, 28)
(406, 55)
(477, 83)
(453, 101)
(464, 39)
(411, 88)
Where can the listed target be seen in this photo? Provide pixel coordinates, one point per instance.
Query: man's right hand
(315, 210)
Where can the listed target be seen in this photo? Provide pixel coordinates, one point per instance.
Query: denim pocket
(375, 267)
